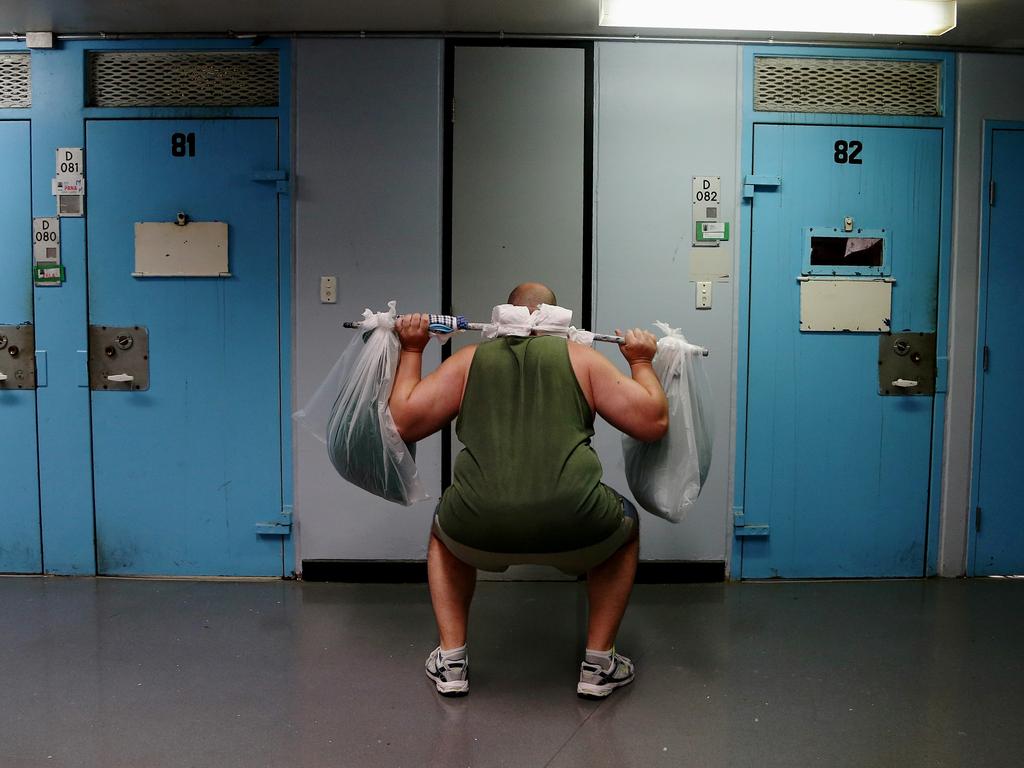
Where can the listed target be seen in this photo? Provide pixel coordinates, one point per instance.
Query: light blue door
(838, 472)
(186, 470)
(20, 542)
(999, 541)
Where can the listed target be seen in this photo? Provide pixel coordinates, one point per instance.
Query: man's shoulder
(462, 357)
(582, 353)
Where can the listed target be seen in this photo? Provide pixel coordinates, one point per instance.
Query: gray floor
(104, 672)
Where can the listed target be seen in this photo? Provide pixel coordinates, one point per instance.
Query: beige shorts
(572, 562)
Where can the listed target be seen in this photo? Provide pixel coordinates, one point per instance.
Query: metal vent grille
(851, 86)
(183, 79)
(15, 80)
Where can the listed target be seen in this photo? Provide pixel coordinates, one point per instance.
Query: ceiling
(981, 23)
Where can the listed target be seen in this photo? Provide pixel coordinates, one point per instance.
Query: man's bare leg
(451, 590)
(608, 588)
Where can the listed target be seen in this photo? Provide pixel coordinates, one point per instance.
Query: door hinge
(453, 111)
(277, 176)
(740, 527)
(991, 193)
(977, 519)
(282, 526)
(984, 359)
(751, 182)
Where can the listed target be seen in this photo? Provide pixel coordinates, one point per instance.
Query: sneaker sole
(451, 688)
(591, 691)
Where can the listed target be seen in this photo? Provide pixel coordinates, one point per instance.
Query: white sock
(602, 658)
(454, 654)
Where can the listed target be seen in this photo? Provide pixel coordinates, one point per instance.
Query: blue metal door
(999, 540)
(838, 472)
(20, 542)
(186, 470)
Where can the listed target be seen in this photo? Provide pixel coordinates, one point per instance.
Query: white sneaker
(450, 677)
(596, 682)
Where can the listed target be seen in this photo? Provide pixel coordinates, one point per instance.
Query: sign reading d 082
(707, 189)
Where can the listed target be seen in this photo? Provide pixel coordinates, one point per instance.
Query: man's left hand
(413, 332)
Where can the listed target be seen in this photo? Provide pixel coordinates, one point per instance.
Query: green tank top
(527, 480)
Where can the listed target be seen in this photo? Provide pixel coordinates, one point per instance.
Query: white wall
(989, 88)
(665, 113)
(368, 209)
(369, 172)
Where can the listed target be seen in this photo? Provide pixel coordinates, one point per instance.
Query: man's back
(527, 480)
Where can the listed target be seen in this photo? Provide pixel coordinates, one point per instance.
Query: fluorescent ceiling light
(865, 17)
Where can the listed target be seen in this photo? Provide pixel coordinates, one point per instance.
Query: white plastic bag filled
(666, 476)
(349, 413)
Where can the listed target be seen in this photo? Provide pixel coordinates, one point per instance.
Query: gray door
(520, 197)
(518, 166)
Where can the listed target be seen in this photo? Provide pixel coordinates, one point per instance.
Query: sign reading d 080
(45, 229)
(46, 240)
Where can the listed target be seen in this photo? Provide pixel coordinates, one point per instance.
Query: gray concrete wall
(666, 113)
(988, 89)
(368, 209)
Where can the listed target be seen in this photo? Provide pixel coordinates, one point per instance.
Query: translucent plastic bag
(349, 413)
(666, 476)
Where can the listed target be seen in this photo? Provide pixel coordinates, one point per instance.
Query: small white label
(707, 189)
(713, 230)
(69, 162)
(68, 186)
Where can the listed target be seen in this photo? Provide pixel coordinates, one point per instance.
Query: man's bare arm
(637, 405)
(421, 406)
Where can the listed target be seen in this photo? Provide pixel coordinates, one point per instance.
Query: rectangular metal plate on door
(17, 356)
(906, 364)
(118, 358)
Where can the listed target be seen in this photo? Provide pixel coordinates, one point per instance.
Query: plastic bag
(666, 476)
(349, 413)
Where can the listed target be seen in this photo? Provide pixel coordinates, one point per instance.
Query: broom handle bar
(480, 326)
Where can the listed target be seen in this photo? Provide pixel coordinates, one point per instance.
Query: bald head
(531, 295)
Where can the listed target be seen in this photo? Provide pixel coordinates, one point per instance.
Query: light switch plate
(703, 294)
(328, 289)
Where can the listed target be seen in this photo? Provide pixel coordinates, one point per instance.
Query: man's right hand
(413, 331)
(639, 346)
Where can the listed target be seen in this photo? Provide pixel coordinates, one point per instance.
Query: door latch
(118, 358)
(906, 363)
(18, 356)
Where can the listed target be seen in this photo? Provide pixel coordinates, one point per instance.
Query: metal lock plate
(118, 358)
(18, 356)
(906, 364)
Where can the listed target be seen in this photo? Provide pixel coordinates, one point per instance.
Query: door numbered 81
(183, 145)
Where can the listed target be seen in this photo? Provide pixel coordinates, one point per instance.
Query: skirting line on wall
(415, 571)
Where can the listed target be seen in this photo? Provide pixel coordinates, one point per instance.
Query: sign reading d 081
(69, 162)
